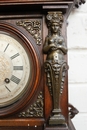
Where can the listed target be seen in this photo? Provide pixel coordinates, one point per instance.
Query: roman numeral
(15, 79)
(17, 67)
(7, 88)
(14, 56)
(6, 47)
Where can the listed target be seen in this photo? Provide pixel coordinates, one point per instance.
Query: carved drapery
(55, 64)
(33, 27)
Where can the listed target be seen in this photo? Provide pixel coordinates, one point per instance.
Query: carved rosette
(36, 109)
(33, 27)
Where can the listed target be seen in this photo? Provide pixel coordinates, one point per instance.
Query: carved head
(55, 17)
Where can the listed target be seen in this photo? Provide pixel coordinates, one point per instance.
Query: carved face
(55, 27)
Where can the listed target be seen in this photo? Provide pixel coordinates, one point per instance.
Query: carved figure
(54, 44)
(55, 65)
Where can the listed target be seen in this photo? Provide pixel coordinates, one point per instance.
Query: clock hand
(7, 81)
(8, 89)
(6, 47)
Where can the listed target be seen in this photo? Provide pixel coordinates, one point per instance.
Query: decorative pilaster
(55, 64)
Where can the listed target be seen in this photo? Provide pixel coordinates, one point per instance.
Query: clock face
(14, 69)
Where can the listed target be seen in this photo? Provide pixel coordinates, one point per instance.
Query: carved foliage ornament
(35, 110)
(33, 27)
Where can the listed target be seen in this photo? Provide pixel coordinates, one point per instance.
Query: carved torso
(55, 48)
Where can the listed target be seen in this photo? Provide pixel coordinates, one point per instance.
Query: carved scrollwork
(79, 2)
(33, 27)
(72, 110)
(35, 110)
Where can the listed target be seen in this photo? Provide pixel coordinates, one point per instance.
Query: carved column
(55, 64)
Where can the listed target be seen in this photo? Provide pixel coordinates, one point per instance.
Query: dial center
(7, 80)
(5, 67)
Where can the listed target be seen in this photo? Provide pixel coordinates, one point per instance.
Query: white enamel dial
(14, 69)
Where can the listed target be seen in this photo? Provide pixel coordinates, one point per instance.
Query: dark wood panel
(21, 128)
(25, 1)
(22, 122)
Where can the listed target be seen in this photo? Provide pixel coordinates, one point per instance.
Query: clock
(18, 69)
(33, 86)
(14, 69)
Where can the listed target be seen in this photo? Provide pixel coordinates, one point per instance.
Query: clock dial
(14, 69)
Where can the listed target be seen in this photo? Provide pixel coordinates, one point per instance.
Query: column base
(57, 120)
(57, 128)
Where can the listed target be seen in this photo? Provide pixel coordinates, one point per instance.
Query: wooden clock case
(27, 20)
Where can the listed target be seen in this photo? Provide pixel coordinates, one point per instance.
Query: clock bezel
(35, 63)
